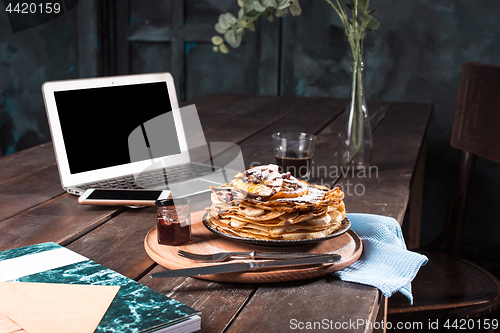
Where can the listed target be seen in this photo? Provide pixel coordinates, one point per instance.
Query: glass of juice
(293, 152)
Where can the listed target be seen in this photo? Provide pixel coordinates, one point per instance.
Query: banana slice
(251, 211)
(260, 182)
(320, 220)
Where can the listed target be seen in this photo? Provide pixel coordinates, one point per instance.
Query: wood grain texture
(477, 116)
(59, 220)
(310, 118)
(114, 236)
(348, 245)
(218, 302)
(275, 307)
(21, 163)
(385, 190)
(447, 283)
(325, 161)
(22, 192)
(118, 244)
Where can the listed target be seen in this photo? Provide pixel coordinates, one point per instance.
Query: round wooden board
(348, 245)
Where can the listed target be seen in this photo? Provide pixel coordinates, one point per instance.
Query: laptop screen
(96, 123)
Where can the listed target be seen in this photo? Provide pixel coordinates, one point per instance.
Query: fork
(221, 256)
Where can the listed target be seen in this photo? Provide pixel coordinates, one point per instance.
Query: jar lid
(171, 202)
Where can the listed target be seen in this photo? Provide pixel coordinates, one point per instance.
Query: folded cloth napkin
(385, 262)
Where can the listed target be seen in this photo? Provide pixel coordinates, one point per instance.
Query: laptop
(126, 132)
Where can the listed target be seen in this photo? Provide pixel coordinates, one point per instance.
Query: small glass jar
(174, 221)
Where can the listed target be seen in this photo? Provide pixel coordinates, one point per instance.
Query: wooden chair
(448, 286)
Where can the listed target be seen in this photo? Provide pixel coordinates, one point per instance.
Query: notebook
(134, 308)
(126, 132)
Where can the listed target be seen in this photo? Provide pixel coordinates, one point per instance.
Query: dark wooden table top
(34, 209)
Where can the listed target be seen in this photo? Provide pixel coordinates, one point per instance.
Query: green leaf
(232, 38)
(269, 13)
(369, 22)
(373, 24)
(217, 40)
(223, 48)
(282, 12)
(282, 4)
(295, 8)
(362, 6)
(254, 6)
(239, 31)
(364, 19)
(268, 3)
(223, 22)
(219, 29)
(251, 26)
(241, 3)
(215, 49)
(241, 22)
(371, 11)
(238, 42)
(230, 19)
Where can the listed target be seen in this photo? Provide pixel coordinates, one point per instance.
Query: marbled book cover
(136, 308)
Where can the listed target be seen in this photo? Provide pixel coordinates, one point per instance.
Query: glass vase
(355, 149)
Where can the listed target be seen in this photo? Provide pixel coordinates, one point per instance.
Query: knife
(246, 266)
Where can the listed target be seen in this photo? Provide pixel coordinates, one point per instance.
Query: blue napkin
(385, 262)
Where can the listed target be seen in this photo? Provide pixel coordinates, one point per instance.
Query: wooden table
(34, 209)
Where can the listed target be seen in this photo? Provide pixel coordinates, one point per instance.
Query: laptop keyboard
(154, 178)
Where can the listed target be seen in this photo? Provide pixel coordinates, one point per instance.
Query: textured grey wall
(27, 59)
(416, 55)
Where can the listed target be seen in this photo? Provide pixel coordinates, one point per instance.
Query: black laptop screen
(96, 123)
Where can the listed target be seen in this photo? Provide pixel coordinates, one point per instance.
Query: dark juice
(298, 164)
(172, 233)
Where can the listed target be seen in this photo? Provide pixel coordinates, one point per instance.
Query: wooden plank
(59, 220)
(325, 163)
(381, 316)
(236, 128)
(28, 178)
(310, 118)
(218, 302)
(119, 243)
(25, 161)
(220, 107)
(416, 200)
(23, 192)
(385, 189)
(290, 306)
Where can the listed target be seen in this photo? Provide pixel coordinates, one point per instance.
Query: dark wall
(27, 59)
(416, 55)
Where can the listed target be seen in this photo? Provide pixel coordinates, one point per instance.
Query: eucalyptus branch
(233, 28)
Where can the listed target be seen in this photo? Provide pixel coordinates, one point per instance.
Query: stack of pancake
(262, 203)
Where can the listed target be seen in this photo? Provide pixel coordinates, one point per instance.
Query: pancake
(261, 203)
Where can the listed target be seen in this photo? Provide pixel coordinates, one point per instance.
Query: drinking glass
(293, 152)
